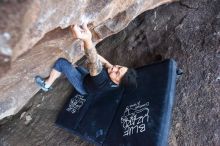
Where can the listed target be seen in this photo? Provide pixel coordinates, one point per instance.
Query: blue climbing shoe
(41, 82)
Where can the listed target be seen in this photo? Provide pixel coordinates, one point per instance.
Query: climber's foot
(41, 82)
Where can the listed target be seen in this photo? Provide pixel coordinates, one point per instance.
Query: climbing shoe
(41, 82)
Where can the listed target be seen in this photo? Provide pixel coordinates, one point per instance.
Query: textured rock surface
(43, 36)
(106, 17)
(187, 31)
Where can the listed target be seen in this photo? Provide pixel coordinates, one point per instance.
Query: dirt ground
(189, 32)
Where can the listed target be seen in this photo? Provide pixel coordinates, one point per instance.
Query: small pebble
(178, 125)
(28, 119)
(22, 115)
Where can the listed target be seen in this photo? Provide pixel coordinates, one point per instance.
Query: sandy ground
(189, 32)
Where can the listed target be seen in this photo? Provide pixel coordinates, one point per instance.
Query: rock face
(187, 31)
(45, 37)
(106, 17)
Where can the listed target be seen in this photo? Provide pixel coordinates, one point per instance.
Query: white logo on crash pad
(76, 103)
(134, 118)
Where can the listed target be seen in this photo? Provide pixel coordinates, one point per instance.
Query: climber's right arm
(94, 63)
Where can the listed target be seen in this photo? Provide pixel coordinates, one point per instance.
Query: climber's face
(116, 72)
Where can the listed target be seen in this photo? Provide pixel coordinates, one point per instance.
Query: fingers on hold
(85, 27)
(75, 26)
(76, 29)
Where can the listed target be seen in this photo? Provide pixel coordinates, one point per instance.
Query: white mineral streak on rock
(47, 15)
(66, 20)
(5, 48)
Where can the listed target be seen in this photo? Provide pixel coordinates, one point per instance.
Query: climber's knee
(60, 64)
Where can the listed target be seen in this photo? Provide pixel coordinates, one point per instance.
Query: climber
(101, 75)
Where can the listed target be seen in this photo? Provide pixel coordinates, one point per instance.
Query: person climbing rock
(100, 75)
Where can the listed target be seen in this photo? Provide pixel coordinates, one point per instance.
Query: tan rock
(105, 17)
(45, 37)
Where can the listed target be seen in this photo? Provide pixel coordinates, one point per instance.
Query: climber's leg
(75, 75)
(54, 74)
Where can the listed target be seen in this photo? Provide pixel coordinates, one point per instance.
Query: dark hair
(129, 79)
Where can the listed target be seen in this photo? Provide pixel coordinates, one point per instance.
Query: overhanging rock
(45, 38)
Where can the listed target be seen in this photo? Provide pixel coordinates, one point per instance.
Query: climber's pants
(75, 74)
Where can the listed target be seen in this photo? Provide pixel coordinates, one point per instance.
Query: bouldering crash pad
(125, 116)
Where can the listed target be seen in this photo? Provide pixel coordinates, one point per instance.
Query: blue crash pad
(130, 117)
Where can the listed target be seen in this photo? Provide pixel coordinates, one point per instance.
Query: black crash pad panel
(128, 117)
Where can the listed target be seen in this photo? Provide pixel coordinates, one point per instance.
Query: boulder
(46, 37)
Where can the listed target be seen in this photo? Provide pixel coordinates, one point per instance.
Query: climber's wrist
(88, 43)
